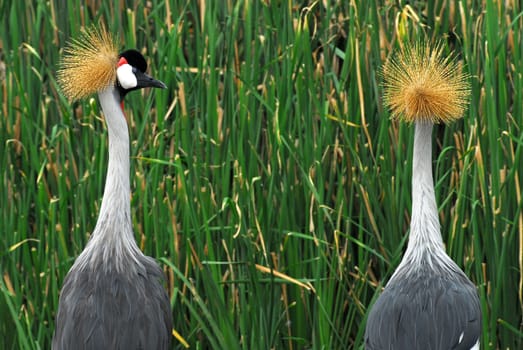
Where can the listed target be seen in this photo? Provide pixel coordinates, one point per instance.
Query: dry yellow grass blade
(264, 269)
(180, 339)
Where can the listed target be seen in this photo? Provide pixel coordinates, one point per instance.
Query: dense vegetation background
(268, 179)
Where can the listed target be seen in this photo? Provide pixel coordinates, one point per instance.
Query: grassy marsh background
(268, 179)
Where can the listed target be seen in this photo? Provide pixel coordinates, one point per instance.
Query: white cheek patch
(126, 77)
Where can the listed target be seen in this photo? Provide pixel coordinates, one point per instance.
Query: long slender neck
(425, 242)
(116, 199)
(113, 237)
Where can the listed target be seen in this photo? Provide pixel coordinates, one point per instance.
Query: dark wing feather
(425, 312)
(114, 310)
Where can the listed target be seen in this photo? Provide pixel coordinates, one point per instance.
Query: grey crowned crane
(113, 296)
(429, 303)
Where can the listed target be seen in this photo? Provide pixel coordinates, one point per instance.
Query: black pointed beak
(144, 80)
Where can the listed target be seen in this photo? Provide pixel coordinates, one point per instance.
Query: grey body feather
(114, 310)
(425, 310)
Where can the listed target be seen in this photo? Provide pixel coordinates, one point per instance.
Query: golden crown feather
(421, 84)
(89, 64)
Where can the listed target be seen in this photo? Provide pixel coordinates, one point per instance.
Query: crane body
(113, 297)
(429, 303)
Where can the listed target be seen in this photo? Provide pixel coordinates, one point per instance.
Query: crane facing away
(112, 297)
(429, 303)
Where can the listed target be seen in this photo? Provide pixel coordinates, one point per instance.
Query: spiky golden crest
(89, 64)
(421, 84)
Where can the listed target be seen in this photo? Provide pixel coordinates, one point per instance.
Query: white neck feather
(113, 237)
(425, 243)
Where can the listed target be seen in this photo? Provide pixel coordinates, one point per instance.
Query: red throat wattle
(123, 112)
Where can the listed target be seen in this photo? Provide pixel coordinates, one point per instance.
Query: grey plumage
(429, 309)
(97, 303)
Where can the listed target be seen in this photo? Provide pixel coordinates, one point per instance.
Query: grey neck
(425, 246)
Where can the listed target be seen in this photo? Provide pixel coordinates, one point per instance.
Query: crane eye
(126, 76)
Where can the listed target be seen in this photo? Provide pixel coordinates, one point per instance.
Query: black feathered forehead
(135, 59)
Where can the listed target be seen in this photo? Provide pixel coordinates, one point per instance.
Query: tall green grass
(268, 180)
